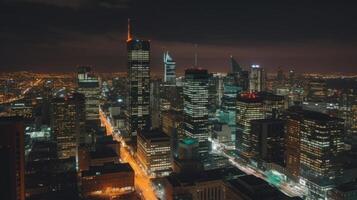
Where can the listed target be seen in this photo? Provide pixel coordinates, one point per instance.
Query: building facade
(257, 79)
(249, 107)
(67, 123)
(195, 94)
(139, 84)
(88, 85)
(154, 152)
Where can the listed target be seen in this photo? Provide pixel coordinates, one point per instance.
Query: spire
(129, 31)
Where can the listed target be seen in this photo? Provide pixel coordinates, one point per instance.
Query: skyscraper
(268, 140)
(321, 146)
(139, 83)
(13, 159)
(154, 152)
(67, 123)
(169, 69)
(235, 67)
(249, 107)
(240, 76)
(195, 93)
(88, 85)
(292, 141)
(257, 79)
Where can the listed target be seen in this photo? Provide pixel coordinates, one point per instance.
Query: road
(290, 188)
(143, 183)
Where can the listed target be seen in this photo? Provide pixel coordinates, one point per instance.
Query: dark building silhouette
(12, 158)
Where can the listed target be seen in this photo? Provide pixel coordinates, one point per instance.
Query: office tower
(169, 69)
(13, 159)
(195, 93)
(171, 98)
(235, 67)
(155, 103)
(268, 140)
(67, 123)
(249, 107)
(227, 113)
(280, 77)
(154, 152)
(292, 141)
(139, 83)
(321, 147)
(212, 94)
(88, 85)
(257, 79)
(317, 90)
(292, 77)
(240, 76)
(172, 125)
(274, 105)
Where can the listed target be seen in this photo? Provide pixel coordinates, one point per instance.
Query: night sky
(57, 35)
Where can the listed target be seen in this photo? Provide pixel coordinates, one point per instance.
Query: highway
(143, 183)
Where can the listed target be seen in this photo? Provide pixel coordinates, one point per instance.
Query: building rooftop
(154, 134)
(313, 115)
(103, 152)
(107, 168)
(249, 98)
(178, 180)
(256, 188)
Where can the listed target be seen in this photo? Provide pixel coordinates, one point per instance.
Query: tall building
(195, 93)
(249, 107)
(292, 142)
(154, 152)
(321, 147)
(240, 76)
(67, 123)
(317, 90)
(155, 103)
(169, 69)
(172, 125)
(268, 140)
(88, 85)
(280, 77)
(13, 159)
(257, 79)
(138, 113)
(235, 67)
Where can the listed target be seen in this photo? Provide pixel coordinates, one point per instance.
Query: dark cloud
(59, 34)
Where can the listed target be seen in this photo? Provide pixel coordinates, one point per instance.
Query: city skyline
(271, 35)
(266, 129)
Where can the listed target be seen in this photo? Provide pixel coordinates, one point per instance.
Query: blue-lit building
(169, 69)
